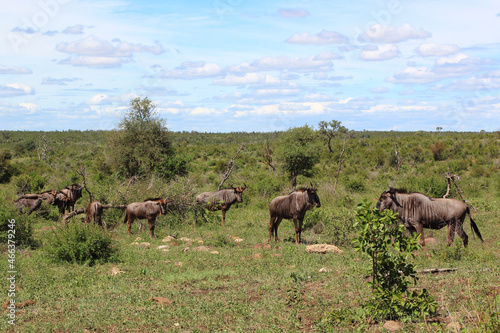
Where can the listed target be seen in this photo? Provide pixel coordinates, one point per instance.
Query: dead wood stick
(67, 216)
(229, 168)
(437, 270)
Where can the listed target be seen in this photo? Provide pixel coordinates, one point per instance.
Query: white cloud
(398, 108)
(444, 67)
(414, 75)
(381, 33)
(294, 64)
(379, 52)
(15, 89)
(322, 38)
(431, 49)
(97, 53)
(58, 82)
(95, 62)
(247, 78)
(74, 30)
(15, 70)
(191, 71)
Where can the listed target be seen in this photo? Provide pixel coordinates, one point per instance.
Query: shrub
(437, 150)
(384, 240)
(82, 244)
(11, 219)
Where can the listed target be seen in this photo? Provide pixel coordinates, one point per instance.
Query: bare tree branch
(83, 173)
(229, 168)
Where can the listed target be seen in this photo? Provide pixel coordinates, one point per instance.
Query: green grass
(245, 287)
(250, 286)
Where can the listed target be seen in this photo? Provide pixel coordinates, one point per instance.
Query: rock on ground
(323, 248)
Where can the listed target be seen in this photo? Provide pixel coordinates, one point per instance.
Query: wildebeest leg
(151, 223)
(223, 215)
(276, 225)
(461, 232)
(271, 227)
(451, 233)
(297, 231)
(131, 219)
(300, 230)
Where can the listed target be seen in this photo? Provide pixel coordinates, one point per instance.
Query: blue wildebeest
(221, 200)
(293, 206)
(72, 193)
(94, 213)
(32, 202)
(148, 209)
(418, 211)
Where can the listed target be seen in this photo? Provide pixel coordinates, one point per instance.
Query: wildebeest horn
(392, 192)
(245, 185)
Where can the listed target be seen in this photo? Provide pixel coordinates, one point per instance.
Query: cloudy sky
(240, 65)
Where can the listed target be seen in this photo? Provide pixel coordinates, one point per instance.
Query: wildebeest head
(312, 197)
(388, 200)
(238, 192)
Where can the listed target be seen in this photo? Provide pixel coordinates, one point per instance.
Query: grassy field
(211, 278)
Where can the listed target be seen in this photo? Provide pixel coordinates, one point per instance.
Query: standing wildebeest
(145, 210)
(292, 206)
(418, 211)
(94, 213)
(72, 193)
(222, 199)
(33, 202)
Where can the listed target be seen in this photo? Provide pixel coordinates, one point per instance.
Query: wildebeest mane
(152, 199)
(405, 191)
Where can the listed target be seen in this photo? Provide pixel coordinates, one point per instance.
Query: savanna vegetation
(206, 277)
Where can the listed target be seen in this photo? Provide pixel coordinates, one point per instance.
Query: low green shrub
(82, 244)
(15, 226)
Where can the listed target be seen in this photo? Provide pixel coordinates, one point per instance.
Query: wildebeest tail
(126, 218)
(474, 226)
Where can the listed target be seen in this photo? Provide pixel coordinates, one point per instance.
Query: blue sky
(240, 65)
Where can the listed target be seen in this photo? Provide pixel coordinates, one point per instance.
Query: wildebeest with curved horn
(222, 199)
(418, 211)
(145, 210)
(33, 202)
(72, 193)
(293, 206)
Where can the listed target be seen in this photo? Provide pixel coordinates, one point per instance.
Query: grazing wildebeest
(293, 206)
(94, 213)
(221, 199)
(72, 193)
(33, 202)
(145, 210)
(418, 211)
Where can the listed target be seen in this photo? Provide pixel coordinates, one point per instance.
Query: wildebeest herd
(416, 210)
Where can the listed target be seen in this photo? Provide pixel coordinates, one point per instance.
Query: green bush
(82, 244)
(11, 219)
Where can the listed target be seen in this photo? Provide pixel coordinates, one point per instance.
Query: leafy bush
(336, 226)
(384, 240)
(11, 219)
(82, 244)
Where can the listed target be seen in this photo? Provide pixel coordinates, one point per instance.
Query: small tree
(384, 240)
(142, 144)
(331, 130)
(297, 153)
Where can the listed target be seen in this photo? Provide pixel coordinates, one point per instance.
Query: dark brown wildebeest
(72, 193)
(145, 210)
(293, 206)
(94, 213)
(221, 199)
(418, 211)
(32, 202)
